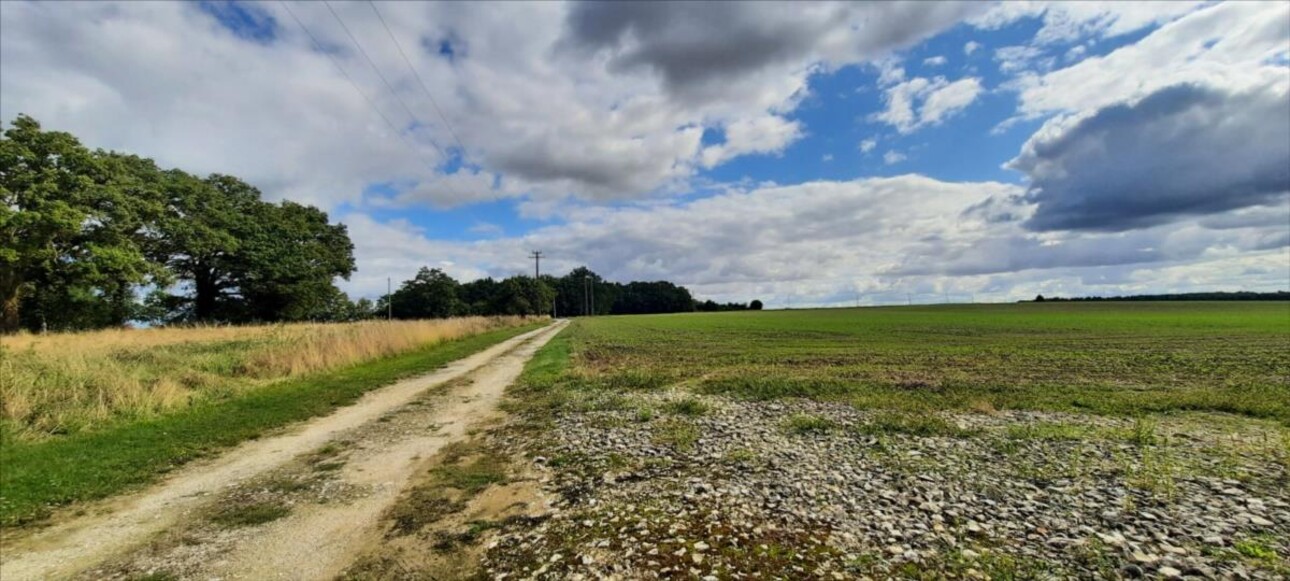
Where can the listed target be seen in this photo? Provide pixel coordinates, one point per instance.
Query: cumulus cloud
(971, 46)
(823, 241)
(920, 102)
(934, 61)
(868, 145)
(768, 134)
(1183, 150)
(893, 157)
(604, 102)
(1069, 21)
(712, 50)
(1233, 44)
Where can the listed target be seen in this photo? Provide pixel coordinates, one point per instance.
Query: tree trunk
(206, 290)
(10, 296)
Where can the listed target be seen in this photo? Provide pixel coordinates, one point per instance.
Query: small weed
(644, 414)
(1143, 432)
(1255, 549)
(250, 514)
(686, 407)
(680, 435)
(925, 425)
(805, 424)
(474, 476)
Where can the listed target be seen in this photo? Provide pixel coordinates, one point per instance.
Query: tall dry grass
(66, 382)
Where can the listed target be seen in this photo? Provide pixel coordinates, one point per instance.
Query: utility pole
(586, 303)
(389, 300)
(537, 262)
(909, 300)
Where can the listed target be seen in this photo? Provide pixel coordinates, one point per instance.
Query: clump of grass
(250, 514)
(1143, 432)
(741, 456)
(806, 424)
(63, 383)
(644, 414)
(1255, 549)
(913, 424)
(686, 407)
(680, 435)
(472, 477)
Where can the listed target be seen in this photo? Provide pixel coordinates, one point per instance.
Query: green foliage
(73, 230)
(83, 230)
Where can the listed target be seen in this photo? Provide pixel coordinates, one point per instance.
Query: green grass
(805, 424)
(38, 476)
(1128, 359)
(250, 515)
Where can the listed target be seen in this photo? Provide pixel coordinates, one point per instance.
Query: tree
(243, 259)
(430, 294)
(73, 229)
(755, 305)
(1039, 298)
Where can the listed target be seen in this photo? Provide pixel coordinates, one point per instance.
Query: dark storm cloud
(1185, 150)
(697, 46)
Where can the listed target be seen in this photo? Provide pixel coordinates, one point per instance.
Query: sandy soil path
(309, 545)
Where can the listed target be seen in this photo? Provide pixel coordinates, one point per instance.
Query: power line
(377, 69)
(343, 72)
(421, 82)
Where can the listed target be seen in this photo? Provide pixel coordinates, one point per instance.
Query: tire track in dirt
(304, 542)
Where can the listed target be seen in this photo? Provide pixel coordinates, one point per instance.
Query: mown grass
(40, 475)
(1129, 359)
(64, 383)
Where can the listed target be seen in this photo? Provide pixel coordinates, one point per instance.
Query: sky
(801, 154)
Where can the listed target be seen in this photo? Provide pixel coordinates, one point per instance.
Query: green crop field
(1013, 441)
(1114, 358)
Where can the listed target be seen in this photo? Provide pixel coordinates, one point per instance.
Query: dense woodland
(94, 238)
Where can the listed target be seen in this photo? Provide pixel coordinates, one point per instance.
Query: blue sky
(807, 153)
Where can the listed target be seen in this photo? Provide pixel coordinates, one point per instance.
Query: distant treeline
(94, 238)
(433, 293)
(1212, 296)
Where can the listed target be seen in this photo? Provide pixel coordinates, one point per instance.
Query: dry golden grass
(65, 382)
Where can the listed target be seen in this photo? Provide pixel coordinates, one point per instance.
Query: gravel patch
(715, 488)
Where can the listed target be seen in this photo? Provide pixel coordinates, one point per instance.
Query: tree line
(433, 293)
(95, 238)
(1197, 296)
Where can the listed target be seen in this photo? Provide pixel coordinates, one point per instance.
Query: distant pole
(592, 285)
(389, 300)
(586, 303)
(909, 299)
(947, 297)
(537, 263)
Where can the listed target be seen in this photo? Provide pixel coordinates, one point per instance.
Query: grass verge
(39, 476)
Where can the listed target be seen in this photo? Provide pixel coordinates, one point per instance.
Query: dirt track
(314, 542)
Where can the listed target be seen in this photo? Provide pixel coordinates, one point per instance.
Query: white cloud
(768, 134)
(1069, 21)
(971, 46)
(822, 241)
(893, 157)
(920, 102)
(1229, 45)
(867, 145)
(934, 61)
(548, 99)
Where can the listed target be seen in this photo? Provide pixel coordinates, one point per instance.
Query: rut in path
(314, 543)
